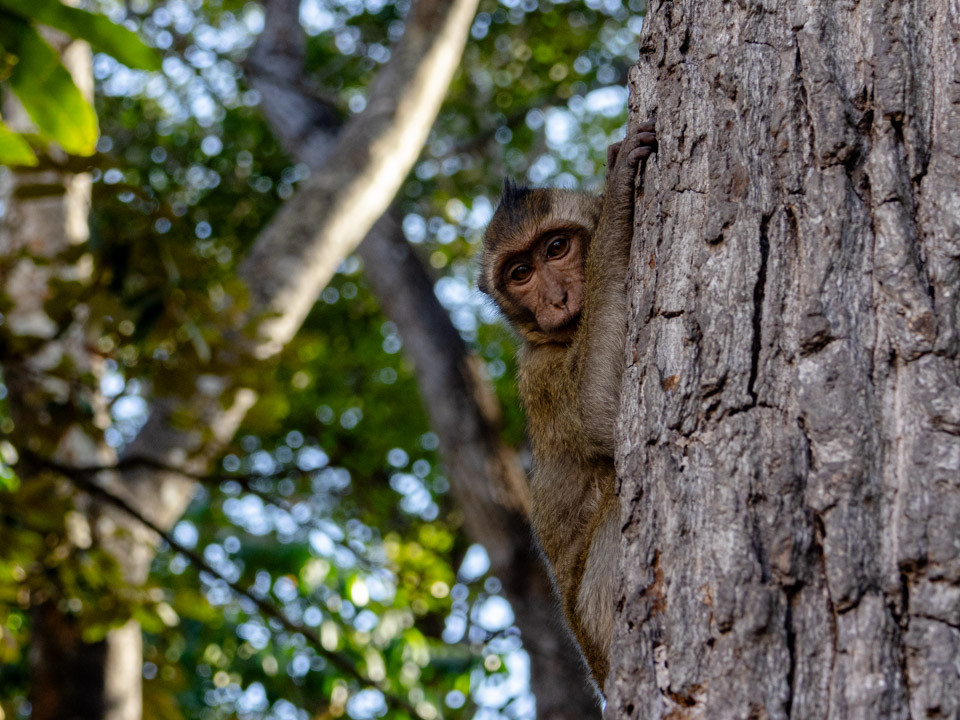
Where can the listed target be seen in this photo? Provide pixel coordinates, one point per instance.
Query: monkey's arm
(599, 346)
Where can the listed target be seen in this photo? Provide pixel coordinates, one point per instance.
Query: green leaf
(46, 90)
(9, 481)
(102, 34)
(14, 150)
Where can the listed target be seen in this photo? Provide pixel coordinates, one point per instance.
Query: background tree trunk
(44, 222)
(789, 446)
(486, 477)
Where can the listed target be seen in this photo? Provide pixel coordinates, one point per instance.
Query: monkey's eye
(557, 247)
(520, 273)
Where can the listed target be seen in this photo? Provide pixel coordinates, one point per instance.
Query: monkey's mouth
(567, 327)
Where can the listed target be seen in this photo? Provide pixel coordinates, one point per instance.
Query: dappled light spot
(475, 563)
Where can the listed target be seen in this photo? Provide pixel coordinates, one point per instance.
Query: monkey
(555, 263)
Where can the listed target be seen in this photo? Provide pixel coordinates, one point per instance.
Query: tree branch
(299, 116)
(245, 481)
(298, 252)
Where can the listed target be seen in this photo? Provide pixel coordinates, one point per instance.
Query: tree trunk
(74, 680)
(44, 222)
(789, 445)
(487, 480)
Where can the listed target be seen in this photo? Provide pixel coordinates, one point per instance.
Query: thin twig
(81, 477)
(245, 480)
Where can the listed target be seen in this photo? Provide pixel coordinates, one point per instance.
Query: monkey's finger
(638, 154)
(647, 126)
(647, 138)
(631, 144)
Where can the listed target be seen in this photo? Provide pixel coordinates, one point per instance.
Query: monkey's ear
(482, 284)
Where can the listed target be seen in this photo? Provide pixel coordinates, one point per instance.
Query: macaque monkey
(555, 262)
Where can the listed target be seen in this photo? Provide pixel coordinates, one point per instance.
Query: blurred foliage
(331, 503)
(34, 73)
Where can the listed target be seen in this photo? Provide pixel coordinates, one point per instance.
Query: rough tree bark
(789, 446)
(486, 477)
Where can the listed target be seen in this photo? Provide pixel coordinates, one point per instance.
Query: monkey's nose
(561, 303)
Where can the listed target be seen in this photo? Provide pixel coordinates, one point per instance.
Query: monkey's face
(533, 259)
(546, 279)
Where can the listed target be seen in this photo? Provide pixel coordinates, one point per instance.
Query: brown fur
(569, 382)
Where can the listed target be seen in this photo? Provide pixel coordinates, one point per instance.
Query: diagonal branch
(297, 253)
(245, 480)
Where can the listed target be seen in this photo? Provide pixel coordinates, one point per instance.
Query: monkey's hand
(623, 159)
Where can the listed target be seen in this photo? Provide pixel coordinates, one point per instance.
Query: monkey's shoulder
(544, 372)
(546, 385)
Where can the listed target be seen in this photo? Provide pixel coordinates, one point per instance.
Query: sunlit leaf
(46, 90)
(14, 150)
(102, 34)
(8, 478)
